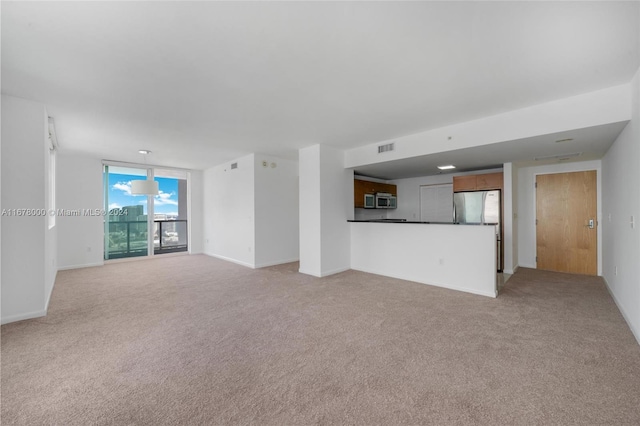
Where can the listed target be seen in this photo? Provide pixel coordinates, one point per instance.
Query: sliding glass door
(170, 212)
(130, 217)
(127, 223)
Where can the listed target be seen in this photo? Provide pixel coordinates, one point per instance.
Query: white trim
(279, 262)
(334, 271)
(323, 273)
(25, 316)
(636, 333)
(493, 294)
(84, 265)
(528, 266)
(46, 304)
(303, 271)
(511, 272)
(228, 259)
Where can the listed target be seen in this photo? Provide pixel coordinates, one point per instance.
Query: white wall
(79, 186)
(196, 203)
(509, 200)
(251, 213)
(310, 211)
(326, 203)
(459, 257)
(527, 207)
(511, 219)
(336, 195)
(621, 201)
(50, 229)
(276, 217)
(229, 205)
(605, 106)
(28, 266)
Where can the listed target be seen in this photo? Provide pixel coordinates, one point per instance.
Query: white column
(326, 203)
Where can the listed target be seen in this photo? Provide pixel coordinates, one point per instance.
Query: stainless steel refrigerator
(480, 207)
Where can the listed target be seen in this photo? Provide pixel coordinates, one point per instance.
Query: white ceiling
(590, 143)
(202, 83)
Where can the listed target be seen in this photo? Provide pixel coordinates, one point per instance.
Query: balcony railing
(170, 236)
(130, 238)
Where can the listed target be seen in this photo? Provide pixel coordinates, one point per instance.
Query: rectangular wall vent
(234, 166)
(386, 148)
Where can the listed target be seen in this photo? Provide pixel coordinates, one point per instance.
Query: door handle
(591, 224)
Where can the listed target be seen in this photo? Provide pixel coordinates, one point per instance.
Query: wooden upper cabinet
(464, 183)
(361, 187)
(388, 188)
(489, 181)
(477, 182)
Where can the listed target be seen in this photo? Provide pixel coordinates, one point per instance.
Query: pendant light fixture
(144, 187)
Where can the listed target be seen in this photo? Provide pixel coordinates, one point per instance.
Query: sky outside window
(166, 202)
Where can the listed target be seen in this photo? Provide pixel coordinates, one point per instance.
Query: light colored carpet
(196, 340)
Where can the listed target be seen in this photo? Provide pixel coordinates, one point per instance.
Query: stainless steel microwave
(385, 201)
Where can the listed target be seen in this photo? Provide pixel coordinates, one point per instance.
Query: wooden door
(566, 239)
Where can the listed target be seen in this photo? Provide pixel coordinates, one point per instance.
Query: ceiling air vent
(234, 166)
(386, 148)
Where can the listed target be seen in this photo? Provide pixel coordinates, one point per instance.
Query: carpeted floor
(196, 340)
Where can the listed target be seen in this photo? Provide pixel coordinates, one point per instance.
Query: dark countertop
(407, 221)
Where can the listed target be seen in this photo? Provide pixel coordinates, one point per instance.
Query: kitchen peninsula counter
(461, 257)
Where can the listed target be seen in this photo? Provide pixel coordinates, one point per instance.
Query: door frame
(570, 168)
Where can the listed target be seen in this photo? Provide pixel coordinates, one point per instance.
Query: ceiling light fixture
(447, 167)
(564, 140)
(559, 156)
(144, 187)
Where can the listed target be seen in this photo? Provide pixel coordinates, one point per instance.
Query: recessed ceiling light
(564, 140)
(144, 151)
(448, 167)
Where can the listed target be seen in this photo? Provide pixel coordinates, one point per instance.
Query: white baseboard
(84, 265)
(529, 266)
(313, 274)
(25, 316)
(229, 259)
(46, 304)
(636, 333)
(511, 271)
(279, 262)
(333, 271)
(323, 273)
